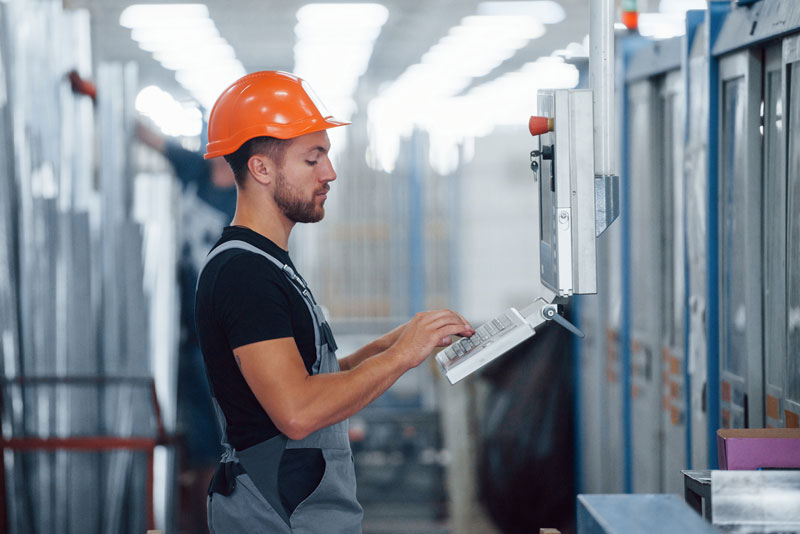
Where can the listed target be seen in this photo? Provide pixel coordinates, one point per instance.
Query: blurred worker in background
(208, 202)
(270, 356)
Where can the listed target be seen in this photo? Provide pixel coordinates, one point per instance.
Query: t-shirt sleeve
(190, 167)
(251, 302)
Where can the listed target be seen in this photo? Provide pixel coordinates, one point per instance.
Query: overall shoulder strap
(241, 245)
(317, 316)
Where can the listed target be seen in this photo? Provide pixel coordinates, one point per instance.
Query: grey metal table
(637, 513)
(697, 491)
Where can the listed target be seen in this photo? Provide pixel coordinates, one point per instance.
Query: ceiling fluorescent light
(423, 96)
(175, 33)
(334, 46)
(183, 38)
(681, 6)
(206, 53)
(139, 15)
(661, 25)
(171, 117)
(349, 15)
(501, 26)
(166, 25)
(546, 12)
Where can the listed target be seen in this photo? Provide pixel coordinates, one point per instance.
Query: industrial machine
(577, 205)
(578, 196)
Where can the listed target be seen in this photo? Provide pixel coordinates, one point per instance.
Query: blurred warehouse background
(695, 325)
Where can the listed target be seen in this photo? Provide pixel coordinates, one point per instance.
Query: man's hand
(425, 332)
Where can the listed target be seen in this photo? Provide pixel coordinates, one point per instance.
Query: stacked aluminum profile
(85, 283)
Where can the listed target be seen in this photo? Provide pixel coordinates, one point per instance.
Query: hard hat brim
(231, 144)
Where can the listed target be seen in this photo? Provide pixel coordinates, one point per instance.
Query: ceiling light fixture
(545, 11)
(184, 39)
(670, 20)
(333, 48)
(171, 117)
(424, 95)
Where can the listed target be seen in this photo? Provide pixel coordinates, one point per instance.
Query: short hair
(272, 147)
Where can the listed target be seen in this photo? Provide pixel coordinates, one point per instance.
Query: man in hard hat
(283, 397)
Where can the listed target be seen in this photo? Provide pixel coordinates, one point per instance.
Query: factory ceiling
(262, 34)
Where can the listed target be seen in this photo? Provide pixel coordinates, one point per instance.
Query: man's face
(301, 184)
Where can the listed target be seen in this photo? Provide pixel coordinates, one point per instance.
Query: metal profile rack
(89, 443)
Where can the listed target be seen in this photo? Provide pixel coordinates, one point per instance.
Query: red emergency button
(540, 125)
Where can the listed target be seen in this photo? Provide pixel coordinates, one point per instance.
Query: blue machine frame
(727, 28)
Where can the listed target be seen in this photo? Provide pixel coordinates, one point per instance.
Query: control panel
(563, 165)
(575, 207)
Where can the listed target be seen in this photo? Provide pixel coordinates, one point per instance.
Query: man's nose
(329, 174)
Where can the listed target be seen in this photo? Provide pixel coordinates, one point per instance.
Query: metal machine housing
(567, 193)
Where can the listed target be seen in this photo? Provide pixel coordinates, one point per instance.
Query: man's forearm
(332, 397)
(371, 349)
(299, 403)
(367, 351)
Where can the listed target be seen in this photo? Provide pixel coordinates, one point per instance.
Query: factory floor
(397, 518)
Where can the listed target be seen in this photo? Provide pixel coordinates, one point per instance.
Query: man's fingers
(451, 330)
(465, 321)
(433, 316)
(449, 319)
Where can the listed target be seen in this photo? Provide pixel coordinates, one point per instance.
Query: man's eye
(311, 162)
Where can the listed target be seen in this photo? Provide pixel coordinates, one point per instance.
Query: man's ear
(261, 168)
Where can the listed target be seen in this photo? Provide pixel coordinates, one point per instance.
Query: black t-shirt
(243, 298)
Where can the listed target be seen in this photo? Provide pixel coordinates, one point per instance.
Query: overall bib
(243, 496)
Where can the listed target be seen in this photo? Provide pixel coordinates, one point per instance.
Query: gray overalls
(243, 497)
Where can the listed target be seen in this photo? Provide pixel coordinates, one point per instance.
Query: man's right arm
(372, 348)
(299, 403)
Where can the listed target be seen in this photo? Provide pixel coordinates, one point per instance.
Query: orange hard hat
(268, 103)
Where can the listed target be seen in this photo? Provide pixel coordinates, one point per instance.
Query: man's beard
(293, 206)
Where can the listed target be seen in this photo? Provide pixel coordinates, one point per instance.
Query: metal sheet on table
(756, 501)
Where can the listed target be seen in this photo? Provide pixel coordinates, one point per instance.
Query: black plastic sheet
(525, 463)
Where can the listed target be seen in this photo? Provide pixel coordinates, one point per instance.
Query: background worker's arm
(299, 403)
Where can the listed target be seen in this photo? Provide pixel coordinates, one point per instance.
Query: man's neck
(266, 220)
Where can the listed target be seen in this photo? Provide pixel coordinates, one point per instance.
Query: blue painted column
(629, 46)
(717, 12)
(625, 328)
